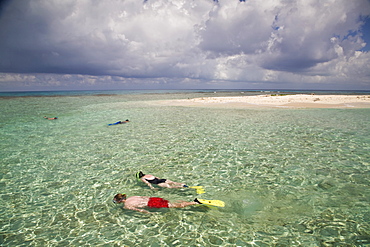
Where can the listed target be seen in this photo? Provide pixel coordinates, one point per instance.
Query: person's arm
(149, 184)
(137, 209)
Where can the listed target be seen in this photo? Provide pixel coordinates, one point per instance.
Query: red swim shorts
(157, 202)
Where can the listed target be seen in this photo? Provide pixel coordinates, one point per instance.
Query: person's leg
(171, 184)
(181, 204)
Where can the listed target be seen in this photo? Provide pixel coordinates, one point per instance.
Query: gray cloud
(230, 40)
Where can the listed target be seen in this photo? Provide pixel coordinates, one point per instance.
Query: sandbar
(276, 101)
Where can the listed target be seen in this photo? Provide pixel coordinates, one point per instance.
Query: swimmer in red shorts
(138, 202)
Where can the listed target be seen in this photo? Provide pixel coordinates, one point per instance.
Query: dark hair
(119, 198)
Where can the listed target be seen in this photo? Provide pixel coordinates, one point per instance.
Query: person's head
(127, 120)
(119, 198)
(139, 175)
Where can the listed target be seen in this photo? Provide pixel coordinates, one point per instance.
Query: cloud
(249, 41)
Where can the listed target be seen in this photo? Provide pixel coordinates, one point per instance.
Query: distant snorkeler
(120, 122)
(50, 118)
(161, 182)
(123, 122)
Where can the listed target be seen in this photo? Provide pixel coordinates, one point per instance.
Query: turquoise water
(289, 177)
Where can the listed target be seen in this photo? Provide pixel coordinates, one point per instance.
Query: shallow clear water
(289, 177)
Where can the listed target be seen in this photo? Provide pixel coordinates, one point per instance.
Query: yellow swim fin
(199, 189)
(216, 203)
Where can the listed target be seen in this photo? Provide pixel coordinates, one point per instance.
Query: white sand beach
(281, 101)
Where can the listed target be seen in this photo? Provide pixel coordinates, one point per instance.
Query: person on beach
(161, 182)
(50, 118)
(138, 202)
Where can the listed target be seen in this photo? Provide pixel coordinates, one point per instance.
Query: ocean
(289, 177)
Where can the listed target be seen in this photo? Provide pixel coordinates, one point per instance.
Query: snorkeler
(123, 122)
(138, 202)
(50, 118)
(161, 182)
(120, 122)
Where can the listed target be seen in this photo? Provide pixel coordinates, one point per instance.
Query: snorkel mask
(119, 198)
(139, 175)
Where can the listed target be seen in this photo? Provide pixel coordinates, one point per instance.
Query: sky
(184, 44)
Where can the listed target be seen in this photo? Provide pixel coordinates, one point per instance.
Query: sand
(280, 101)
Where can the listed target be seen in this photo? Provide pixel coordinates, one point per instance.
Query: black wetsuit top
(156, 180)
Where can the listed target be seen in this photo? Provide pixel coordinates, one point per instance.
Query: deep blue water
(135, 92)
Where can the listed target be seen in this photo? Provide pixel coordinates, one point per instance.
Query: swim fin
(199, 189)
(216, 203)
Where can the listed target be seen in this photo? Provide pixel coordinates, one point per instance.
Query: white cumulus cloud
(290, 41)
